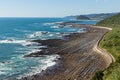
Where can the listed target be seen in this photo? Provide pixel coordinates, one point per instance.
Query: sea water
(16, 35)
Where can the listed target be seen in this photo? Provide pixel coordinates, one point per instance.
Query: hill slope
(100, 16)
(82, 17)
(113, 21)
(111, 42)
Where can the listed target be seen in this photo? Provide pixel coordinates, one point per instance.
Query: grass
(111, 42)
(98, 76)
(112, 73)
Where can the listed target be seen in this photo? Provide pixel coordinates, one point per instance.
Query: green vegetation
(81, 17)
(113, 72)
(98, 76)
(100, 16)
(113, 22)
(111, 42)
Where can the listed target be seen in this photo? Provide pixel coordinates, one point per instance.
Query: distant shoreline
(79, 60)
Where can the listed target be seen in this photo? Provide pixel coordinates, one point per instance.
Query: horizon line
(54, 16)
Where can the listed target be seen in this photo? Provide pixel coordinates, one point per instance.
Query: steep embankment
(111, 42)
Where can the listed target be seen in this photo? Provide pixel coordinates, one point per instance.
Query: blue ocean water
(15, 36)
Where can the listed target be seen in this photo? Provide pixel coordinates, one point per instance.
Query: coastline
(103, 51)
(80, 57)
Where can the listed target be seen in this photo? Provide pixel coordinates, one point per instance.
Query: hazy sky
(56, 8)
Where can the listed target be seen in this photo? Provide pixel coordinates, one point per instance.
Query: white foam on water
(44, 35)
(52, 23)
(28, 43)
(72, 30)
(2, 64)
(48, 61)
(1, 72)
(34, 51)
(51, 35)
(22, 42)
(37, 34)
(12, 41)
(5, 68)
(82, 30)
(55, 27)
(48, 24)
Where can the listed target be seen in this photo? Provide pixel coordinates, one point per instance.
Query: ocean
(16, 35)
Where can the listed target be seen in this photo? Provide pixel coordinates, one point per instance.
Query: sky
(56, 8)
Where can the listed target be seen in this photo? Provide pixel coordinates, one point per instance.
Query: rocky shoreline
(78, 60)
